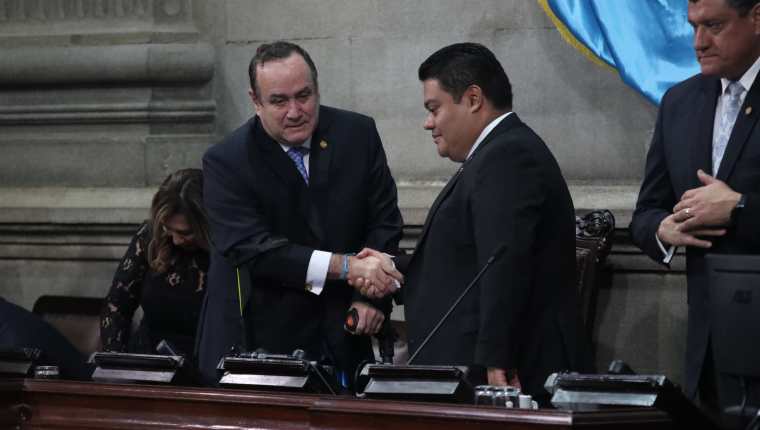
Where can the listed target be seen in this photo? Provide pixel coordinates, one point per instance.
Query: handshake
(373, 273)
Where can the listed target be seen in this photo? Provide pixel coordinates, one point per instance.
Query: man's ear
(754, 14)
(473, 95)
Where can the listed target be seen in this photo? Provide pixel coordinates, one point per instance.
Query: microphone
(496, 254)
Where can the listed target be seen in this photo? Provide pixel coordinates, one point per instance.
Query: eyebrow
(296, 94)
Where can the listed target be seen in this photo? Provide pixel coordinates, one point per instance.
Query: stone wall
(100, 99)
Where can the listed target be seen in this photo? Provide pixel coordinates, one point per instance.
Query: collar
(306, 145)
(747, 78)
(488, 129)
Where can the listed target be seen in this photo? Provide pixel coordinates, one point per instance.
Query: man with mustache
(702, 178)
(289, 196)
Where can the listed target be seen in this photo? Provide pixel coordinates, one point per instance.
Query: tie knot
(298, 150)
(734, 89)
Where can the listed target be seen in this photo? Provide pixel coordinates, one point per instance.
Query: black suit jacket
(265, 219)
(523, 313)
(682, 143)
(20, 328)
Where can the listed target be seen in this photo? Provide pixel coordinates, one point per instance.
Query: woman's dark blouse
(170, 301)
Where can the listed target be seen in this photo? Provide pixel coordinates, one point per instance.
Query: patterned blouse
(170, 301)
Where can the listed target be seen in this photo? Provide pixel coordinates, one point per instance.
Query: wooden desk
(40, 404)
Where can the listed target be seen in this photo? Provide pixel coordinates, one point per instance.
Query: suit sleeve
(656, 197)
(510, 175)
(384, 222)
(747, 223)
(239, 230)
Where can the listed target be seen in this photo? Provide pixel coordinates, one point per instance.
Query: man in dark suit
(702, 178)
(289, 195)
(20, 328)
(520, 322)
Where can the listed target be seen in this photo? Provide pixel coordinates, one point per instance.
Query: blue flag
(648, 42)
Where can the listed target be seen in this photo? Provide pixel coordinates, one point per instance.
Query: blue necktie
(728, 115)
(296, 153)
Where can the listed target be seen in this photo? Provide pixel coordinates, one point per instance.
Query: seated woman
(164, 271)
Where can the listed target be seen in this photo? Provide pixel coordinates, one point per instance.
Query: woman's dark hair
(181, 193)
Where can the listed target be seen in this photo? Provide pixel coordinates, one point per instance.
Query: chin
(709, 69)
(298, 138)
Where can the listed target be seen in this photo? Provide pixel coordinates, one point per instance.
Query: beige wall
(100, 99)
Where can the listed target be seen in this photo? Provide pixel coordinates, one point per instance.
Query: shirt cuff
(396, 283)
(316, 274)
(667, 254)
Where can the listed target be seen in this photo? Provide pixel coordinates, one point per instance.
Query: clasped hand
(702, 213)
(373, 274)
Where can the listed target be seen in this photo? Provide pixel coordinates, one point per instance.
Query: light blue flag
(649, 42)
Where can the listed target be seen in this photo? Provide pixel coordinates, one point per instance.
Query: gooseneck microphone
(496, 254)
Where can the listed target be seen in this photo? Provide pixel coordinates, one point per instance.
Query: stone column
(99, 101)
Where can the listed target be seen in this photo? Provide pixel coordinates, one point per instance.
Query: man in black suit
(702, 178)
(289, 195)
(520, 322)
(20, 328)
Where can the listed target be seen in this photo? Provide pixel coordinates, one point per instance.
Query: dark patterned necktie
(296, 153)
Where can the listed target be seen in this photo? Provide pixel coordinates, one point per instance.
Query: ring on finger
(687, 211)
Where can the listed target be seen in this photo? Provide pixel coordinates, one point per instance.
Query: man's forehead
(284, 76)
(291, 61)
(433, 92)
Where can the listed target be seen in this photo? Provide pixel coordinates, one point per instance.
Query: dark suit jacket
(523, 313)
(265, 219)
(682, 143)
(20, 328)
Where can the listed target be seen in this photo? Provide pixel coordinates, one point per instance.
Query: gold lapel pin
(748, 110)
(323, 144)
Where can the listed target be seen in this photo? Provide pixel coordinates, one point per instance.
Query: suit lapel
(284, 168)
(276, 158)
(507, 123)
(702, 155)
(743, 126)
(322, 148)
(437, 203)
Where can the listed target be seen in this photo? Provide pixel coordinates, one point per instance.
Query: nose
(428, 124)
(700, 38)
(294, 109)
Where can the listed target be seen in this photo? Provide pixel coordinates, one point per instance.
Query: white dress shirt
(319, 262)
(491, 125)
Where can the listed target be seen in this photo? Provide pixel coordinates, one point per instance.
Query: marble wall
(100, 99)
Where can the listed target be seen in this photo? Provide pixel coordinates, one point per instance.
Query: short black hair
(458, 66)
(742, 6)
(277, 51)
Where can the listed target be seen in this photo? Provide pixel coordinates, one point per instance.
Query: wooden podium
(56, 404)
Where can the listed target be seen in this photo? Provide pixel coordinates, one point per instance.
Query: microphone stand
(496, 254)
